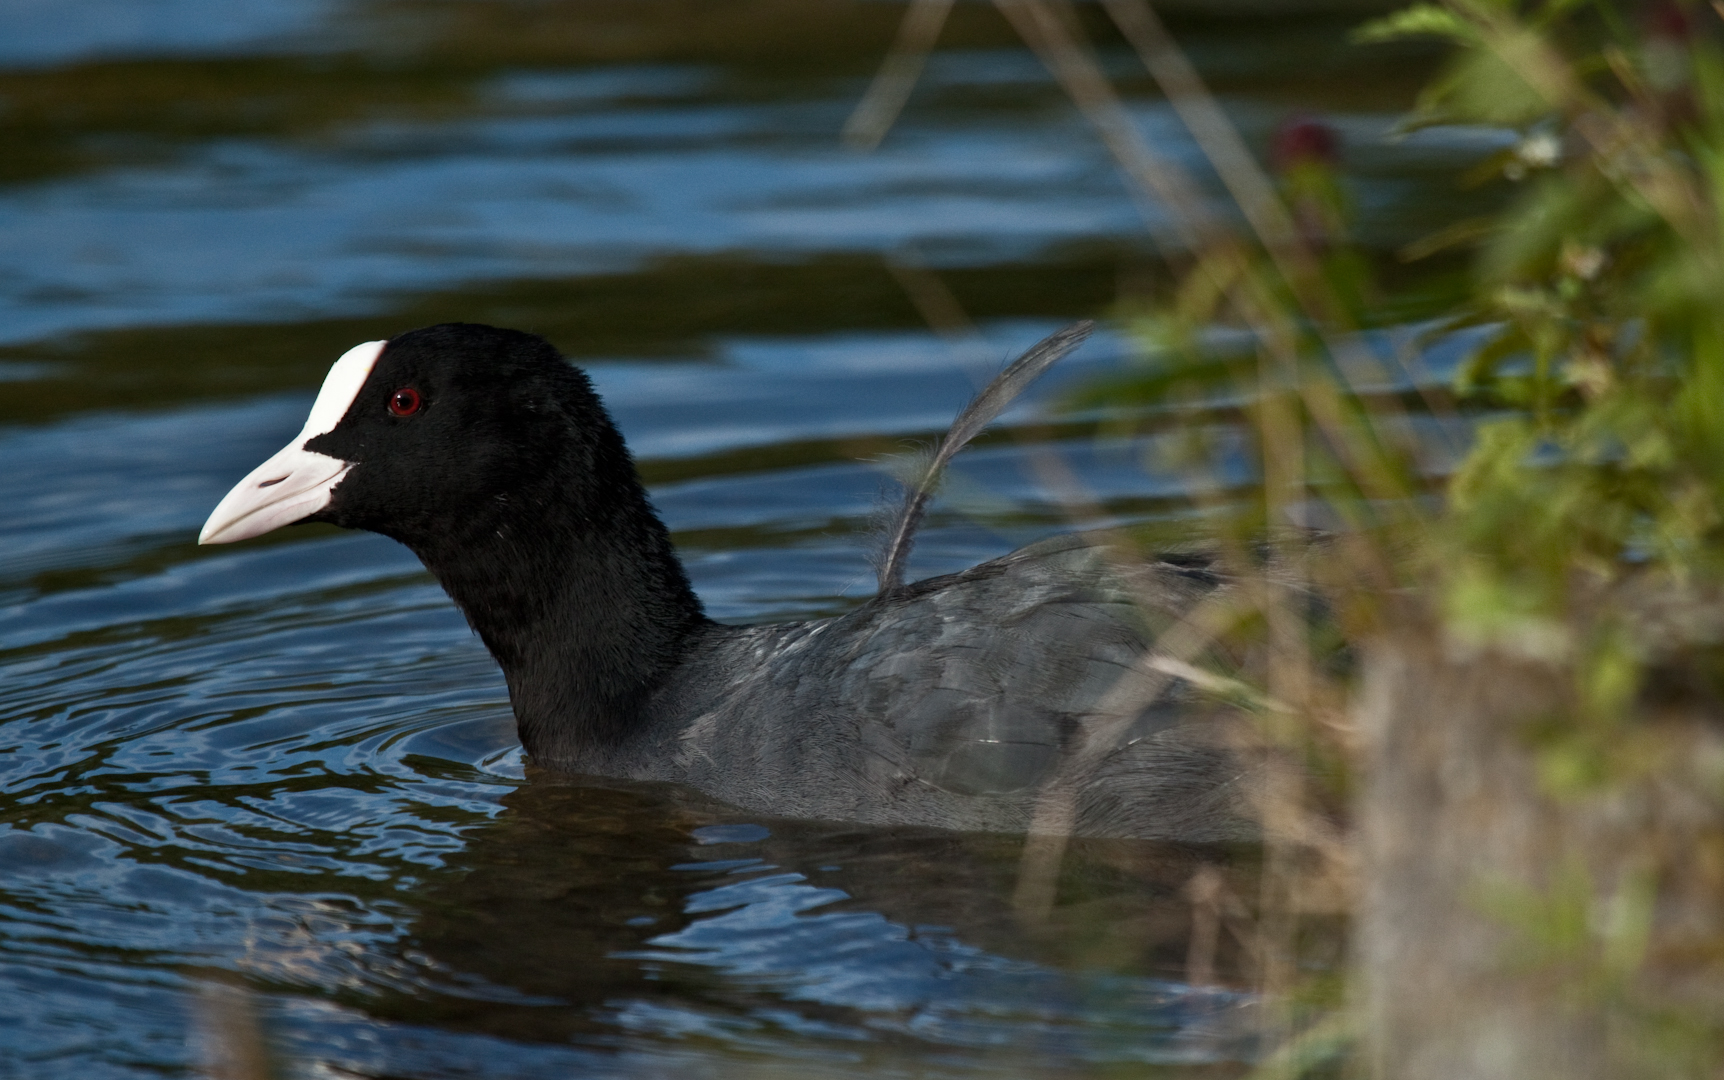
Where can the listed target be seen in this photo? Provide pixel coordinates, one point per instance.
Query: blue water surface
(273, 790)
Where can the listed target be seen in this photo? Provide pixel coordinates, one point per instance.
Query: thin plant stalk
(878, 110)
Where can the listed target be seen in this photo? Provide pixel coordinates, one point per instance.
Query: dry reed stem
(878, 110)
(1048, 27)
(1044, 849)
(1205, 891)
(1216, 136)
(231, 1034)
(1282, 803)
(943, 313)
(1250, 187)
(1293, 831)
(1052, 37)
(1055, 815)
(1050, 33)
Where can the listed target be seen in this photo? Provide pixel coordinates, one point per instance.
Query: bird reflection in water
(590, 909)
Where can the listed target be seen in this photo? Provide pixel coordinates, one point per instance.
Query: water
(287, 767)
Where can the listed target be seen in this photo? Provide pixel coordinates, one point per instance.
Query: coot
(954, 702)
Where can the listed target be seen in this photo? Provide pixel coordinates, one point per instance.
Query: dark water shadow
(596, 910)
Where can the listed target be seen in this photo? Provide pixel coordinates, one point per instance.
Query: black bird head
(435, 427)
(491, 457)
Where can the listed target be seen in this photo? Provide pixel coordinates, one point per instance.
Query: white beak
(295, 482)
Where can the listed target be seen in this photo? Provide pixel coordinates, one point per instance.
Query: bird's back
(954, 702)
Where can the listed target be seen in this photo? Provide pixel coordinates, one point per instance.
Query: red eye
(404, 402)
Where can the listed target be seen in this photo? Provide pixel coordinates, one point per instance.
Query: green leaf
(1415, 21)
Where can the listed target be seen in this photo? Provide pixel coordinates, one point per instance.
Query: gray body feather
(969, 422)
(953, 702)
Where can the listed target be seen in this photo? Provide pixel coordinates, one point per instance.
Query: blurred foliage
(1600, 284)
(1572, 519)
(1594, 380)
(1596, 484)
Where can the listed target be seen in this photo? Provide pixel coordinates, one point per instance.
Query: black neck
(572, 583)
